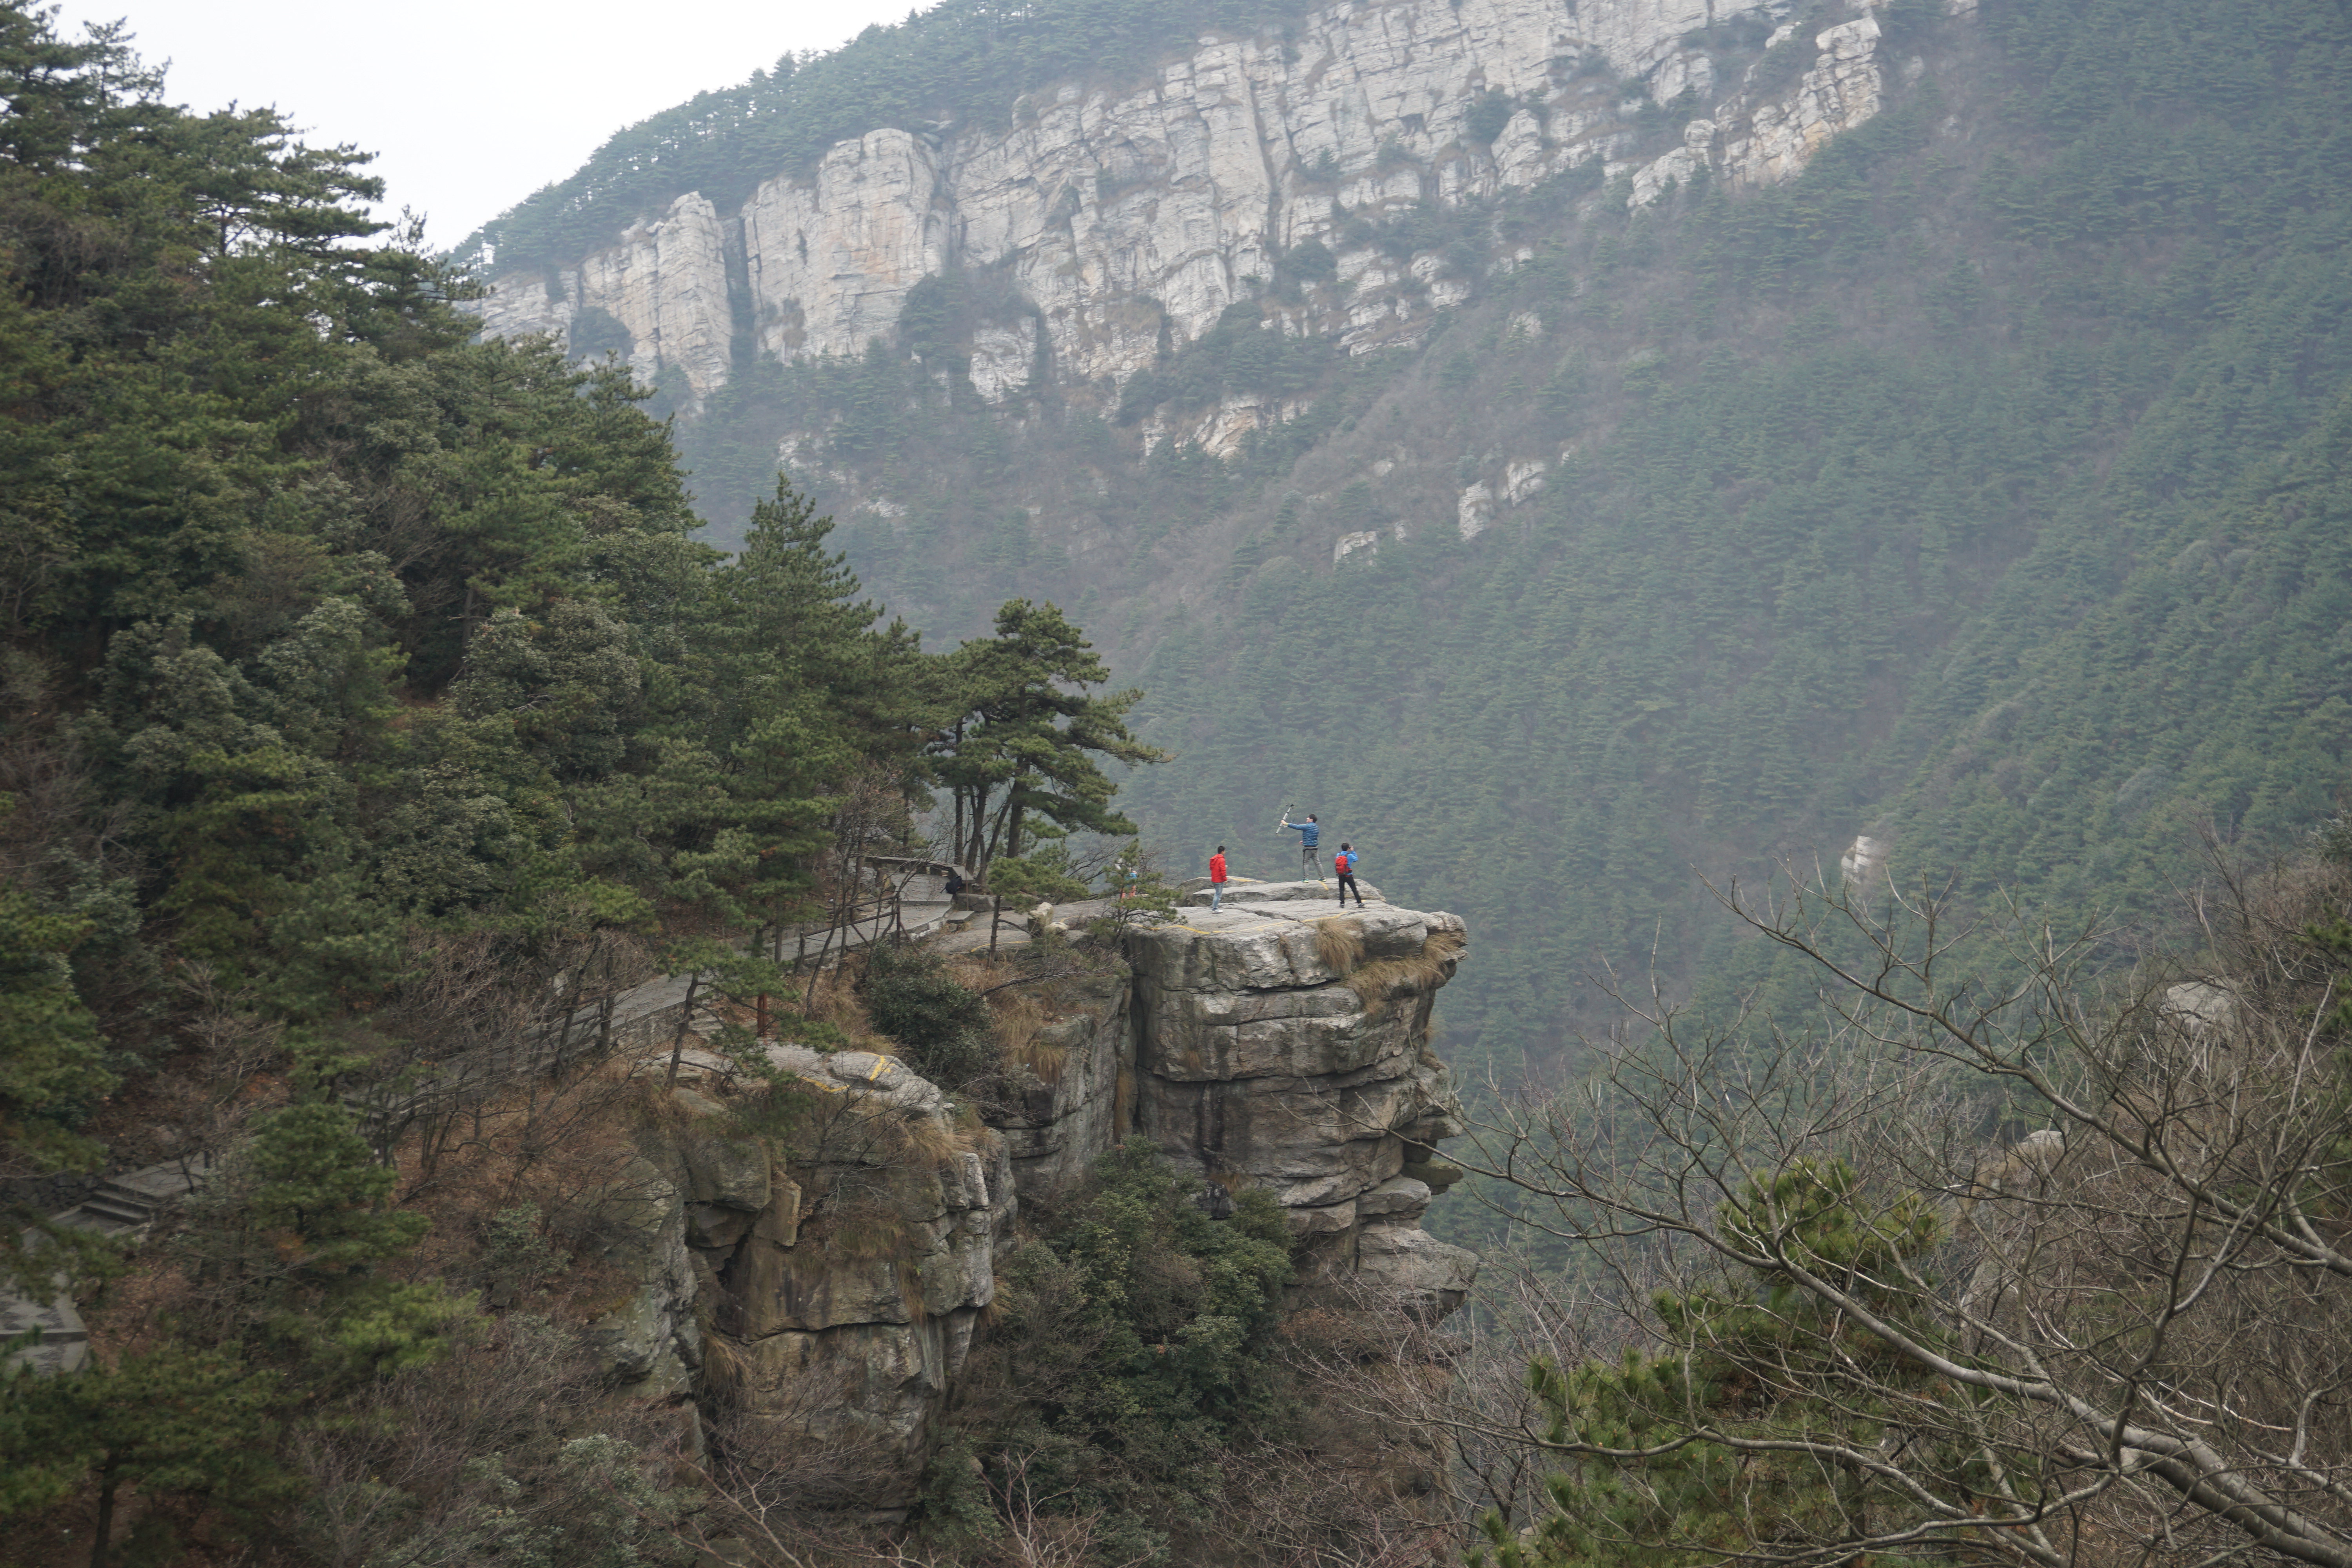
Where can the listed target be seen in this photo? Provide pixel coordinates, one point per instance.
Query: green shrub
(1489, 113)
(516, 1253)
(1135, 1350)
(942, 1027)
(1312, 260)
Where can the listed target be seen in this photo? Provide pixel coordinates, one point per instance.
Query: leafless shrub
(1440, 1411)
(784, 1449)
(1049, 1528)
(231, 1066)
(1014, 1017)
(870, 814)
(407, 1473)
(2128, 1336)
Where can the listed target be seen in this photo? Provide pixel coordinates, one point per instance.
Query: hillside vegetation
(367, 715)
(373, 706)
(1980, 491)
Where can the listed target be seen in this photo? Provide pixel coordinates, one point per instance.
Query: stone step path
(642, 1016)
(122, 1205)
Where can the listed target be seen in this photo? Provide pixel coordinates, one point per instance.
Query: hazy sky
(469, 105)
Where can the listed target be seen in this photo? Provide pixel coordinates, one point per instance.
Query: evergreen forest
(1891, 756)
(1979, 494)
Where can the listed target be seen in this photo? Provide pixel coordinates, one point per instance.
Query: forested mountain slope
(1979, 491)
(373, 739)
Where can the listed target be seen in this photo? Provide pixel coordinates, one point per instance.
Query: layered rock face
(1128, 216)
(1283, 1044)
(1055, 1126)
(818, 1271)
(1278, 1043)
(824, 1279)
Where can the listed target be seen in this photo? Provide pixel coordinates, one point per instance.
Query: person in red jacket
(1217, 880)
(1344, 862)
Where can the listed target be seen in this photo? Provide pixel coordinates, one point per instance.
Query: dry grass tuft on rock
(863, 1220)
(1383, 980)
(927, 1142)
(1022, 1002)
(1018, 1018)
(836, 1001)
(726, 1370)
(1340, 944)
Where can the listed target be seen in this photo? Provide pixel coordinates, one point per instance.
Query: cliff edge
(817, 1262)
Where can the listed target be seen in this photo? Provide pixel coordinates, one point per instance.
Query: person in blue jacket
(1344, 863)
(1310, 864)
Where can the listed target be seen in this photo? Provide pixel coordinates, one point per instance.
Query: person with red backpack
(1344, 862)
(1217, 879)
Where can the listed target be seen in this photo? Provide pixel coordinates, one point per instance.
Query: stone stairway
(122, 1205)
(647, 1015)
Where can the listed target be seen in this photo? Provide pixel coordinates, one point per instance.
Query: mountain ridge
(1693, 535)
(1129, 219)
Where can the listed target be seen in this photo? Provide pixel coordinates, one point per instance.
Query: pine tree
(1027, 735)
(170, 1423)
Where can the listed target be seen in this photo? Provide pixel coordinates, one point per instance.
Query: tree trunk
(99, 1543)
(831, 923)
(677, 1041)
(955, 834)
(996, 832)
(604, 1006)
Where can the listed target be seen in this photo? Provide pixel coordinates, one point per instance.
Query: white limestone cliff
(1131, 214)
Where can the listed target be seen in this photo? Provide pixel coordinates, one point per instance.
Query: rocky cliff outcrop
(815, 1272)
(1127, 217)
(1283, 1044)
(1278, 1043)
(812, 1263)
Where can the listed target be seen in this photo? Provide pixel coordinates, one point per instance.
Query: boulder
(863, 1395)
(650, 1338)
(722, 1168)
(715, 1227)
(1402, 1264)
(1332, 1220)
(847, 1300)
(874, 1078)
(1398, 1199)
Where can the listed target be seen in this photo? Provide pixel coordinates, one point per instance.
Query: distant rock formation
(1129, 216)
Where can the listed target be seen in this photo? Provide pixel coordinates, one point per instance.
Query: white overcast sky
(469, 105)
